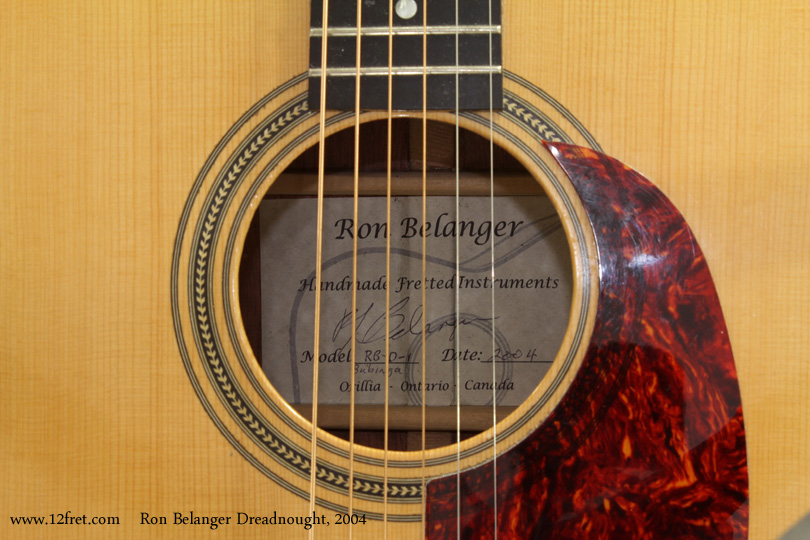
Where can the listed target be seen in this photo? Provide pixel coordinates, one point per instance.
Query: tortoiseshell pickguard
(649, 441)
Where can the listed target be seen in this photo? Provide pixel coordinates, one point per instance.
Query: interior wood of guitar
(300, 180)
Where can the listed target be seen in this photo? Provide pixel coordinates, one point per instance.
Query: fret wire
(406, 30)
(407, 70)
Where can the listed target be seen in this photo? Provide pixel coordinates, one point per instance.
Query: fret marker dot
(406, 8)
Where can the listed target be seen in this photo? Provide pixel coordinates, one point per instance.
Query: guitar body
(130, 390)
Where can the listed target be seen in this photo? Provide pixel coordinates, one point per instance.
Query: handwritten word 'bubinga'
(443, 227)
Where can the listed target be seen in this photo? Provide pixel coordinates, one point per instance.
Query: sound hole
(532, 285)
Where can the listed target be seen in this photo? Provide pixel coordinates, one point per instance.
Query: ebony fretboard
(477, 33)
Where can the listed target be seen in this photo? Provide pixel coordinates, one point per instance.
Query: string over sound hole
(532, 284)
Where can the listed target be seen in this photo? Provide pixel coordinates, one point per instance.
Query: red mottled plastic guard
(649, 441)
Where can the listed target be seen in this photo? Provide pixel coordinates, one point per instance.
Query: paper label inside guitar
(531, 282)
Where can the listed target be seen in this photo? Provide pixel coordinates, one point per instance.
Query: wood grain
(109, 109)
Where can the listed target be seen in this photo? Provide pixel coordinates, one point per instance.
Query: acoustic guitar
(144, 144)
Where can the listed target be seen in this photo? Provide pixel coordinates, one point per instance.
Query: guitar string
(355, 212)
(458, 296)
(424, 256)
(388, 265)
(318, 260)
(492, 292)
(319, 239)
